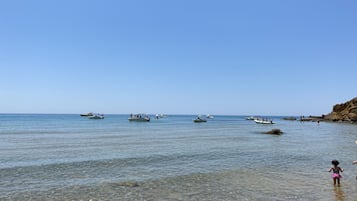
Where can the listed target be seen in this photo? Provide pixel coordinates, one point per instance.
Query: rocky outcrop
(345, 112)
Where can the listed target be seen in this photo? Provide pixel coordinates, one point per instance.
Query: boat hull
(139, 119)
(259, 121)
(86, 115)
(199, 120)
(96, 117)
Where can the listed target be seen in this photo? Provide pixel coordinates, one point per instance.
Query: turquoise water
(68, 157)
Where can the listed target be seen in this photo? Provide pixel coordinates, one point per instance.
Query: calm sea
(68, 157)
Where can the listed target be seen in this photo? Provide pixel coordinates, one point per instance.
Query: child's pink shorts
(336, 176)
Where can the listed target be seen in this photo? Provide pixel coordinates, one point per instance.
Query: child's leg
(338, 181)
(334, 181)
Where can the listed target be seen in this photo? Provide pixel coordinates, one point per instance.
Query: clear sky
(234, 57)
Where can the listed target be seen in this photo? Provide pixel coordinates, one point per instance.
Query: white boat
(263, 121)
(96, 116)
(159, 116)
(208, 116)
(250, 118)
(139, 117)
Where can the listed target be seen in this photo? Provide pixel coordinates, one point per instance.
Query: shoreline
(230, 185)
(227, 185)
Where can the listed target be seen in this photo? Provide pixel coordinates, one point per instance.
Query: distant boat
(250, 118)
(139, 117)
(263, 121)
(199, 120)
(87, 114)
(208, 116)
(159, 116)
(96, 116)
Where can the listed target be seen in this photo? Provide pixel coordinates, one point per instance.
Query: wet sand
(230, 185)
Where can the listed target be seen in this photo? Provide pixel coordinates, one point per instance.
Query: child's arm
(330, 170)
(341, 169)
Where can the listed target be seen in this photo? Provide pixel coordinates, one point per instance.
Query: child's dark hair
(335, 162)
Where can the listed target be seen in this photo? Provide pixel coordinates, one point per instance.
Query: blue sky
(276, 57)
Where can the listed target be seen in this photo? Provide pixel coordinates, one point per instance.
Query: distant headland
(344, 112)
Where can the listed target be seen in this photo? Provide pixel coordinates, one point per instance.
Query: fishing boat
(263, 121)
(139, 117)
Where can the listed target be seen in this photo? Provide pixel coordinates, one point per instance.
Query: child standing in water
(336, 172)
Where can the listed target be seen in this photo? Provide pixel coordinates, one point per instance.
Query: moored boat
(208, 116)
(96, 116)
(250, 118)
(263, 121)
(87, 114)
(199, 120)
(139, 117)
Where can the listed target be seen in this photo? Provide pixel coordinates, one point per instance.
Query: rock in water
(274, 131)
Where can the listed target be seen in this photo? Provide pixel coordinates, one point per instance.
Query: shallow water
(67, 157)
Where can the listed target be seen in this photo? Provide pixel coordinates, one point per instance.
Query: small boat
(96, 116)
(139, 117)
(87, 114)
(159, 116)
(199, 120)
(250, 118)
(263, 121)
(208, 116)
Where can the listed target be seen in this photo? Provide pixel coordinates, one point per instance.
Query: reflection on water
(340, 195)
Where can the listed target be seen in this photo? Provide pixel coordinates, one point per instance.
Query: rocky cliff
(344, 112)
